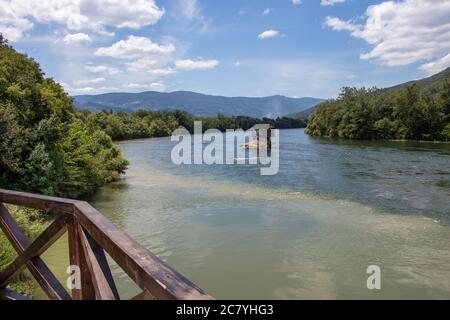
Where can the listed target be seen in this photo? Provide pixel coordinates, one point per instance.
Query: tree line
(408, 113)
(148, 124)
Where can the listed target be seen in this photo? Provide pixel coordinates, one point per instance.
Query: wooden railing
(90, 235)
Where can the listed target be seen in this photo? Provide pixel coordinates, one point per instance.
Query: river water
(311, 231)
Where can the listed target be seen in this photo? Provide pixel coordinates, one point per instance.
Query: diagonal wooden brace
(51, 286)
(104, 286)
(35, 249)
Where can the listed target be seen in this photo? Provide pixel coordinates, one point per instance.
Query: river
(311, 231)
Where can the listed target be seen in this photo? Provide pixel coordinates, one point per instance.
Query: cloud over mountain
(403, 32)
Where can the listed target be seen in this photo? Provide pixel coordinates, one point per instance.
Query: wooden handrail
(90, 235)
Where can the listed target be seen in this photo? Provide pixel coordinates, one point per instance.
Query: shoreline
(380, 140)
(151, 138)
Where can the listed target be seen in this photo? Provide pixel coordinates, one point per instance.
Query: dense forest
(409, 112)
(44, 146)
(148, 124)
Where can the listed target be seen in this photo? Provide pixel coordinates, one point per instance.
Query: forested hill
(196, 104)
(302, 115)
(432, 84)
(417, 110)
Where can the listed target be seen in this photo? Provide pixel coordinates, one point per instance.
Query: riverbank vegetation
(410, 112)
(44, 146)
(148, 124)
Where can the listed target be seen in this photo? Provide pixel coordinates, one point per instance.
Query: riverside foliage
(44, 146)
(148, 124)
(410, 112)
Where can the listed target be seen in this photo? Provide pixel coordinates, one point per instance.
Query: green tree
(408, 113)
(37, 124)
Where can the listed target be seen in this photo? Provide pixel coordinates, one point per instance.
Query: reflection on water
(309, 232)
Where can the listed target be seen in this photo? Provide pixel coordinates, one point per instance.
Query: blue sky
(231, 48)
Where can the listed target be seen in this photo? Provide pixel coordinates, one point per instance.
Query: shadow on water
(404, 145)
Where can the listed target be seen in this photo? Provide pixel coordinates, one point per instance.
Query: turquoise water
(309, 232)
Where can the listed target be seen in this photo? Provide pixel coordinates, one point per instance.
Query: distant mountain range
(431, 84)
(208, 105)
(196, 104)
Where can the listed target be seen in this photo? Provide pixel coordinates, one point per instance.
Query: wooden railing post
(85, 289)
(102, 279)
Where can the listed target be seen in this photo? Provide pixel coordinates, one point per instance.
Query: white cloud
(339, 25)
(142, 64)
(133, 14)
(66, 86)
(189, 8)
(136, 86)
(18, 16)
(153, 66)
(330, 2)
(402, 32)
(351, 76)
(437, 66)
(13, 29)
(134, 47)
(77, 38)
(89, 81)
(158, 86)
(85, 89)
(191, 11)
(162, 71)
(236, 63)
(267, 11)
(268, 34)
(198, 64)
(102, 69)
(296, 2)
(93, 90)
